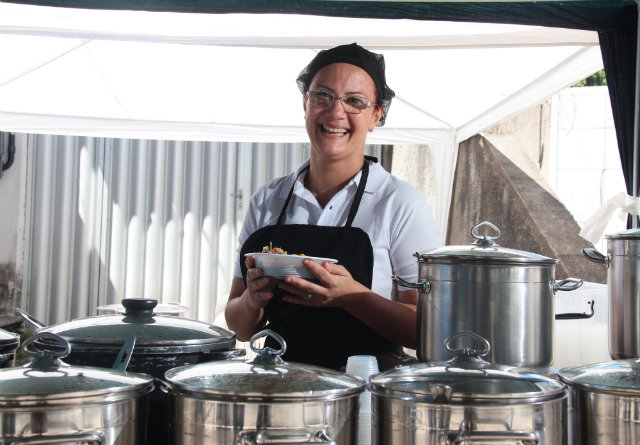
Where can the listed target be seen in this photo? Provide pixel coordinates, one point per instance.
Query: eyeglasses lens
(351, 104)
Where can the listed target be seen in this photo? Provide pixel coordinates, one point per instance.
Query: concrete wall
(488, 186)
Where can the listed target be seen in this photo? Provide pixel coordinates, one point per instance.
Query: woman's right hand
(259, 288)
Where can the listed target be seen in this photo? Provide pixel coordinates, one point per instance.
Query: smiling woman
(349, 214)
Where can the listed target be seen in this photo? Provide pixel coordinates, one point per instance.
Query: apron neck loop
(356, 199)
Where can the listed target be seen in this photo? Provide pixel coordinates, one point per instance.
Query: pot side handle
(94, 437)
(422, 286)
(458, 437)
(575, 315)
(568, 284)
(253, 437)
(593, 255)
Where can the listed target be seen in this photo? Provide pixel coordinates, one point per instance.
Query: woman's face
(332, 131)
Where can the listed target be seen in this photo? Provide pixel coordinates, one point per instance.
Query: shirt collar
(374, 181)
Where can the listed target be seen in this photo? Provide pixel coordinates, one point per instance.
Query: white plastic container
(363, 366)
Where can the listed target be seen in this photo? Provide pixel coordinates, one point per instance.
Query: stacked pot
(500, 392)
(504, 295)
(605, 397)
(466, 400)
(262, 401)
(50, 402)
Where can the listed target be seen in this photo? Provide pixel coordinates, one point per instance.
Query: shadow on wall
(487, 186)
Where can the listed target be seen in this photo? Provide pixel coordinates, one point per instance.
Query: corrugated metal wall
(115, 218)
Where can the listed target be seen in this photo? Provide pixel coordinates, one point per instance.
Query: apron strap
(356, 199)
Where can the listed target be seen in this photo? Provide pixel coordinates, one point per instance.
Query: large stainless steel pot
(604, 406)
(50, 402)
(162, 342)
(466, 400)
(504, 295)
(9, 343)
(262, 401)
(623, 283)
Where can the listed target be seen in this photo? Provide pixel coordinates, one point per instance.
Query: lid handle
(467, 351)
(46, 358)
(139, 307)
(268, 355)
(485, 240)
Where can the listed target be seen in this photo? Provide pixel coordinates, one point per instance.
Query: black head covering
(356, 55)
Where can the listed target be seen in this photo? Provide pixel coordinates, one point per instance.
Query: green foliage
(596, 79)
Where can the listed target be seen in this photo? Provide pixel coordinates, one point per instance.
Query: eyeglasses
(351, 103)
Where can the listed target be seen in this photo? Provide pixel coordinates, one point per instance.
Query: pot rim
(616, 377)
(265, 378)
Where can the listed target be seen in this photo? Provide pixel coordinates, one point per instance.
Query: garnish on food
(277, 250)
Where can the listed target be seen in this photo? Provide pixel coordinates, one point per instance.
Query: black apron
(321, 336)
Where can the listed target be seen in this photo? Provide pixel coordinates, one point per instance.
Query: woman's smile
(334, 131)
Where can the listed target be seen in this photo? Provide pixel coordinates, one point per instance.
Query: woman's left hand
(335, 286)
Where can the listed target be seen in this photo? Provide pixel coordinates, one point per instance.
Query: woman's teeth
(336, 131)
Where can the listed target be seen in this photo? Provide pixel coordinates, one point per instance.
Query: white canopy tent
(231, 77)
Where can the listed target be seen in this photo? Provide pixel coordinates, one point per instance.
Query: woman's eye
(355, 101)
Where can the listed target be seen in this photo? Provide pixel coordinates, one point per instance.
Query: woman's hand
(335, 287)
(245, 309)
(259, 287)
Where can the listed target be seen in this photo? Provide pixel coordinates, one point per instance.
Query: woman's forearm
(393, 320)
(242, 317)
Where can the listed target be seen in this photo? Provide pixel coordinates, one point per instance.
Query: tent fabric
(177, 76)
(616, 21)
(127, 70)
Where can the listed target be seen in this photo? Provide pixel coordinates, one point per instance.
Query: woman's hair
(356, 55)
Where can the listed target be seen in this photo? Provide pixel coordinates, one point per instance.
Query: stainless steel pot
(262, 401)
(604, 402)
(504, 295)
(9, 343)
(466, 400)
(623, 283)
(50, 402)
(162, 342)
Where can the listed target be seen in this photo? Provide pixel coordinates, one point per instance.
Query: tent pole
(636, 119)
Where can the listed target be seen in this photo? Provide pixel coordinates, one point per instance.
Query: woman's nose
(337, 107)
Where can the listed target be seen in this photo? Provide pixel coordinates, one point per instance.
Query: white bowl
(279, 266)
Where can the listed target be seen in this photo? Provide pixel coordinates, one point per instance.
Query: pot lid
(48, 379)
(625, 234)
(464, 379)
(618, 376)
(265, 378)
(8, 339)
(148, 328)
(175, 309)
(484, 249)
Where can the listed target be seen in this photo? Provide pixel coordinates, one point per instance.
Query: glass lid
(484, 249)
(464, 379)
(266, 377)
(148, 328)
(625, 234)
(47, 377)
(612, 376)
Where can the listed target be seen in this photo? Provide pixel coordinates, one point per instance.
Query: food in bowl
(277, 263)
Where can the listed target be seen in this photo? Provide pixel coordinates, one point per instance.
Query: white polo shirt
(395, 215)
